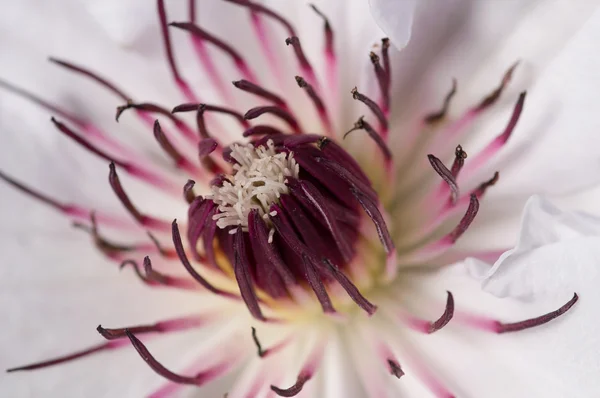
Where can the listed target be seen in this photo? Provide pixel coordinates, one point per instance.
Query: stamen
(188, 191)
(466, 221)
(151, 277)
(375, 215)
(261, 129)
(306, 373)
(165, 144)
(257, 90)
(170, 325)
(429, 327)
(382, 81)
(395, 368)
(198, 220)
(212, 108)
(198, 380)
(348, 177)
(339, 155)
(305, 66)
(485, 185)
(493, 97)
(362, 125)
(241, 269)
(439, 115)
(259, 349)
(145, 220)
(540, 320)
(70, 357)
(259, 8)
(330, 57)
(318, 103)
(372, 105)
(293, 390)
(181, 83)
(459, 161)
(385, 48)
(98, 79)
(350, 288)
(153, 108)
(329, 49)
(276, 111)
(446, 175)
(186, 264)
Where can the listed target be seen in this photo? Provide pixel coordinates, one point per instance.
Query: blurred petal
(394, 18)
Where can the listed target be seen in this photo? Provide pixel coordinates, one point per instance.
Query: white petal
(394, 18)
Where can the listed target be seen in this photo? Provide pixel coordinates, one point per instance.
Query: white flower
(338, 280)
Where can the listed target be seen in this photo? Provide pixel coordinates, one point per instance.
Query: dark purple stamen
(186, 264)
(117, 188)
(276, 111)
(211, 108)
(259, 234)
(514, 118)
(261, 129)
(316, 100)
(241, 269)
(327, 28)
(293, 390)
(206, 146)
(198, 218)
(480, 190)
(259, 349)
(382, 80)
(294, 41)
(204, 35)
(395, 368)
(350, 288)
(459, 161)
(170, 150)
(439, 115)
(466, 221)
(106, 247)
(494, 95)
(259, 91)
(374, 135)
(154, 278)
(446, 316)
(385, 49)
(188, 191)
(375, 215)
(198, 380)
(146, 107)
(98, 79)
(446, 175)
(372, 105)
(533, 322)
(339, 155)
(84, 143)
(349, 177)
(259, 8)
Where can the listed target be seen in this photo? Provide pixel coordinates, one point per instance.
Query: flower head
(304, 227)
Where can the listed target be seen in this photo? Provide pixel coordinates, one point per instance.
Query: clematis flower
(321, 226)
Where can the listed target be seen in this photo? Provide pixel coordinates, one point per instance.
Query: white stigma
(259, 179)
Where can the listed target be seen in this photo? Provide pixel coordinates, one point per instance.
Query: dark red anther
(108, 248)
(84, 143)
(382, 80)
(206, 147)
(494, 95)
(339, 155)
(372, 105)
(276, 111)
(35, 194)
(188, 191)
(153, 278)
(446, 316)
(361, 124)
(514, 118)
(317, 102)
(170, 150)
(146, 107)
(198, 379)
(259, 349)
(293, 390)
(480, 190)
(466, 221)
(395, 368)
(533, 322)
(446, 175)
(241, 269)
(86, 72)
(259, 91)
(459, 161)
(345, 175)
(261, 129)
(439, 115)
(199, 217)
(307, 69)
(329, 48)
(259, 8)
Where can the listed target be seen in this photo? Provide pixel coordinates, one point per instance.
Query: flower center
(259, 179)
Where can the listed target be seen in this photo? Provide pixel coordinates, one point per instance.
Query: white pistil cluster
(259, 179)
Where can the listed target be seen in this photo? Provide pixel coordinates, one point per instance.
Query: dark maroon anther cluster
(316, 227)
